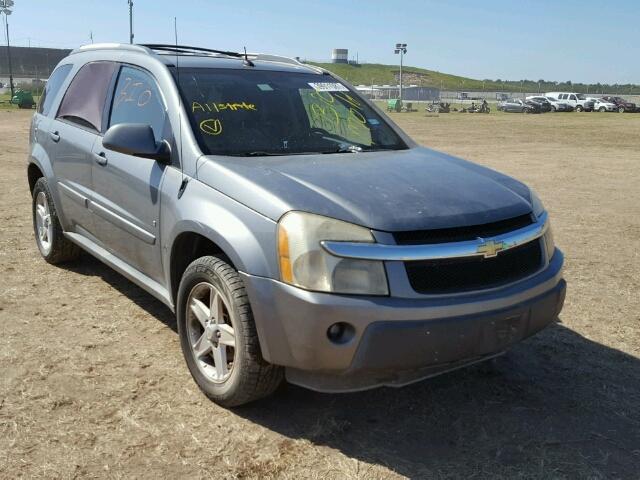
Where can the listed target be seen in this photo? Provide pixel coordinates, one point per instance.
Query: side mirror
(136, 139)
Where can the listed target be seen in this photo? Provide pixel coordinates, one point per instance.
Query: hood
(400, 190)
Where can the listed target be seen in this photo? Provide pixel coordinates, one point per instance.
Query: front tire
(54, 247)
(621, 110)
(579, 108)
(218, 335)
(602, 109)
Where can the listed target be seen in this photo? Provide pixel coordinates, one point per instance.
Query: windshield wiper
(271, 154)
(344, 148)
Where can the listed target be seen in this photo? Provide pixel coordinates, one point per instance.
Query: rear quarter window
(52, 88)
(84, 100)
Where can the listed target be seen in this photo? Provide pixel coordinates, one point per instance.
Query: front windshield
(257, 112)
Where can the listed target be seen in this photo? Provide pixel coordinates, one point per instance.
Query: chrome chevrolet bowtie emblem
(490, 249)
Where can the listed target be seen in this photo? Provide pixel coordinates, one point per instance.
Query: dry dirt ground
(92, 381)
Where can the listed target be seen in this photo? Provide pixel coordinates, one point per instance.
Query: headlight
(538, 210)
(304, 263)
(549, 243)
(536, 204)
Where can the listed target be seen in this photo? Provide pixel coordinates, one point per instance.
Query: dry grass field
(93, 384)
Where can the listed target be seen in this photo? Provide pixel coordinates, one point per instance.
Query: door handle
(55, 136)
(100, 158)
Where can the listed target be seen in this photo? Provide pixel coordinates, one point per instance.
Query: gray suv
(295, 231)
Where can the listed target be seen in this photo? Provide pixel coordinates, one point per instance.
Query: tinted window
(54, 83)
(257, 112)
(572, 97)
(85, 98)
(137, 100)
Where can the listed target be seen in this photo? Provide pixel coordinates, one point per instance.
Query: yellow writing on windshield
(356, 120)
(325, 117)
(218, 107)
(348, 99)
(211, 126)
(324, 97)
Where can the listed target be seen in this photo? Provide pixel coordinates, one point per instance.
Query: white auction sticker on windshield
(328, 87)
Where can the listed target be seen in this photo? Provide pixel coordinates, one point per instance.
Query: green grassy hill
(378, 74)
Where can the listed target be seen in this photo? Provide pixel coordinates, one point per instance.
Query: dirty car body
(368, 260)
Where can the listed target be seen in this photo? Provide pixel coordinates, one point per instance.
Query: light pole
(5, 7)
(401, 48)
(130, 2)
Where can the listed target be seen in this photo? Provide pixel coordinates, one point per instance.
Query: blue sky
(582, 41)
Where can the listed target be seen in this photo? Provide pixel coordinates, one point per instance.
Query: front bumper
(396, 340)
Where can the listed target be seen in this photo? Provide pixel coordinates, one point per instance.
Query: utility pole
(130, 20)
(5, 7)
(401, 48)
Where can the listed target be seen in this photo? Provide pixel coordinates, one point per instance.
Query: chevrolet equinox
(292, 227)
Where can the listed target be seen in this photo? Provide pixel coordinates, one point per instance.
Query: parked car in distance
(294, 229)
(621, 103)
(516, 105)
(545, 105)
(578, 101)
(556, 105)
(602, 105)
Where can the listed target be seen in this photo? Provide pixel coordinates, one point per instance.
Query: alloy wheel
(44, 227)
(210, 332)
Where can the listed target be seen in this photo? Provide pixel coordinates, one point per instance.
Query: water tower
(340, 55)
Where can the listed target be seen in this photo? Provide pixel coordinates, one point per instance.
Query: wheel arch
(34, 172)
(186, 247)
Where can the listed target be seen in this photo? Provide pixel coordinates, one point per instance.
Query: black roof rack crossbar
(187, 49)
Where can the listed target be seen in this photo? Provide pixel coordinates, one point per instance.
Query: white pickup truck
(579, 101)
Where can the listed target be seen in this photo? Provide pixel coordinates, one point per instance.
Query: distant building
(340, 55)
(409, 92)
(31, 62)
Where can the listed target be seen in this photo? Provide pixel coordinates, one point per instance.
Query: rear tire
(602, 109)
(579, 108)
(621, 110)
(54, 247)
(218, 335)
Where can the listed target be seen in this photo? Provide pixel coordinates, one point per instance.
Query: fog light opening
(340, 332)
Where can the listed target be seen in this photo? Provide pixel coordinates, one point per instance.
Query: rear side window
(84, 101)
(137, 100)
(54, 83)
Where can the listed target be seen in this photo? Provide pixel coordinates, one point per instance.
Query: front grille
(459, 234)
(474, 273)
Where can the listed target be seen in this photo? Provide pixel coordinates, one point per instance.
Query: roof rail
(169, 48)
(185, 49)
(111, 46)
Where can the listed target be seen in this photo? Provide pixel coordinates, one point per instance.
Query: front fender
(245, 236)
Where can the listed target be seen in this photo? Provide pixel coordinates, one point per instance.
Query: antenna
(183, 184)
(247, 62)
